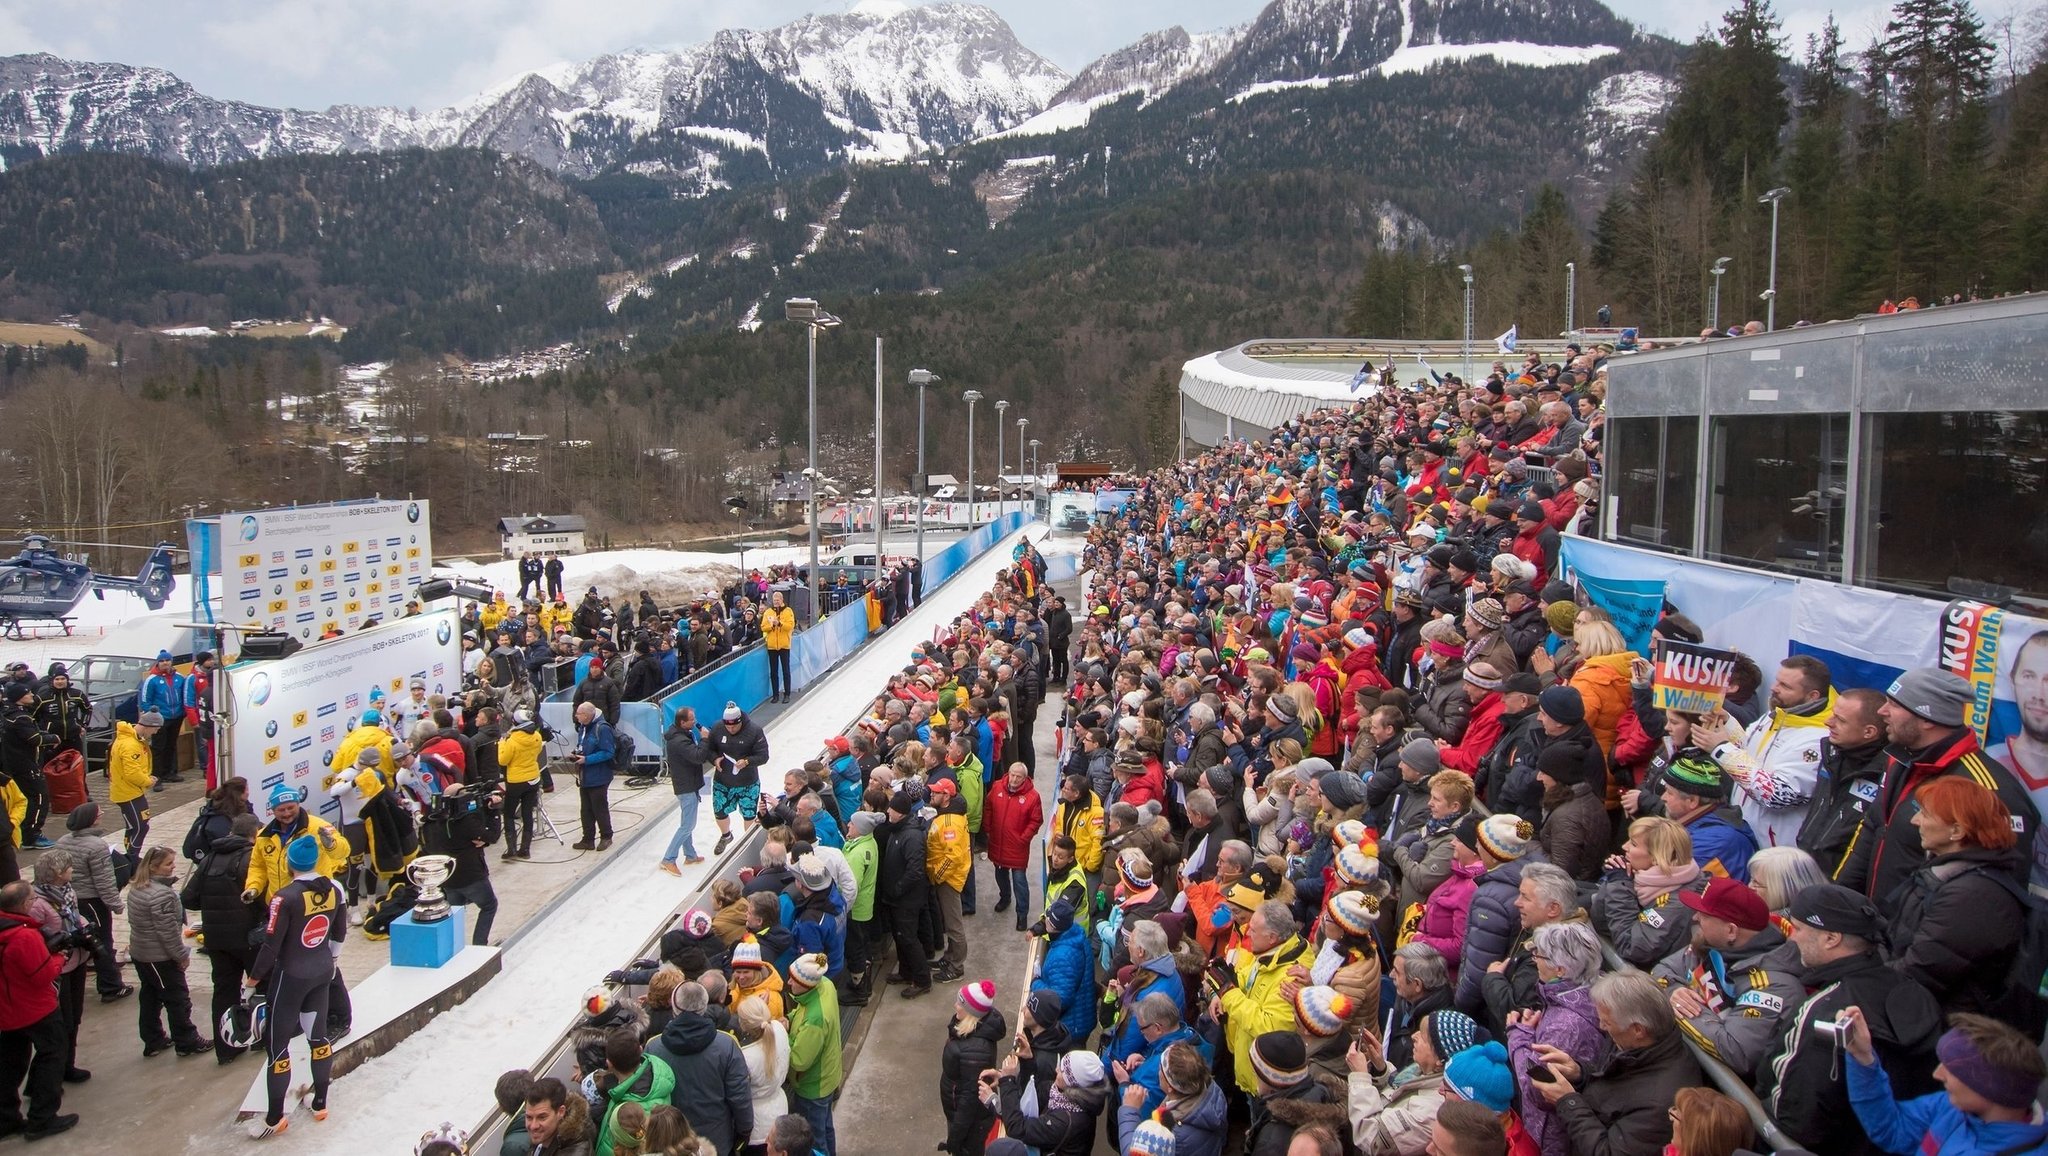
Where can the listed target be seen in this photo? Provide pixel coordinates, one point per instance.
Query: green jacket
(862, 854)
(971, 791)
(649, 1086)
(814, 1043)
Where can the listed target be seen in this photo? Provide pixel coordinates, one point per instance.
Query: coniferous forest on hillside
(1916, 165)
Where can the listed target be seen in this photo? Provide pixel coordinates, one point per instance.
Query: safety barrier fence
(825, 650)
(742, 678)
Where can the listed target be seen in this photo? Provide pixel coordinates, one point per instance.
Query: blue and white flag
(1365, 373)
(1506, 341)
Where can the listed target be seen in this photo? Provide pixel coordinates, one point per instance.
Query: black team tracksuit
(308, 918)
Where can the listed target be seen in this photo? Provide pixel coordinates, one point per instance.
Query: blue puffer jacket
(1491, 928)
(816, 927)
(846, 784)
(1146, 1074)
(1932, 1123)
(598, 746)
(1153, 975)
(1068, 971)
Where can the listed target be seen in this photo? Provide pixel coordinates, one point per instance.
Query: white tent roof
(1259, 393)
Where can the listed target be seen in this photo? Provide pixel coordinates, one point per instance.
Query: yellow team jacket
(1087, 831)
(127, 765)
(352, 746)
(519, 755)
(946, 850)
(268, 871)
(777, 626)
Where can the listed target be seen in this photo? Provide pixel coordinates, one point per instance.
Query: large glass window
(1653, 462)
(1778, 491)
(1956, 504)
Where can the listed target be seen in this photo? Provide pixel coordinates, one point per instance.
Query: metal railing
(1724, 1077)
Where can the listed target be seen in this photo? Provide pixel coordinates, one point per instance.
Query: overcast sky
(425, 53)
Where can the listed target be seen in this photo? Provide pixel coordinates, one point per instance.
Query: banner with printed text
(286, 716)
(1690, 678)
(2004, 658)
(303, 569)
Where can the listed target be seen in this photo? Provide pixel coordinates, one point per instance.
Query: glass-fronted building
(1906, 452)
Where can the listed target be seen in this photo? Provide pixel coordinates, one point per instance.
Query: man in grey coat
(712, 1086)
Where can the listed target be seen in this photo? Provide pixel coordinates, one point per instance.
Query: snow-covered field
(385, 1104)
(672, 576)
(116, 623)
(93, 618)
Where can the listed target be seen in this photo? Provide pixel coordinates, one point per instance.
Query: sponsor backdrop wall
(302, 569)
(287, 715)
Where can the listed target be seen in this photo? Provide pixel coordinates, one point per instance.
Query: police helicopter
(39, 585)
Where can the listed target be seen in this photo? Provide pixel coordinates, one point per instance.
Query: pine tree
(1816, 171)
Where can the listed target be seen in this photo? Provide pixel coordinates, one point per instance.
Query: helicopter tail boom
(153, 583)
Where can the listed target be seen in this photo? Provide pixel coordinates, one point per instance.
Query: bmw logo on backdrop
(442, 633)
(412, 511)
(270, 729)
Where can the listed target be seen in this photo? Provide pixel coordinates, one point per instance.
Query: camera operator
(1837, 932)
(460, 824)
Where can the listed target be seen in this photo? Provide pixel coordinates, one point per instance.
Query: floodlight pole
(970, 397)
(1771, 294)
(922, 379)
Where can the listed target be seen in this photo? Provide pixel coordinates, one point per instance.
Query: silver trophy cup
(427, 873)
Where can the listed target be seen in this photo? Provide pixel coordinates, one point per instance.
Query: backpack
(192, 850)
(623, 748)
(2024, 1002)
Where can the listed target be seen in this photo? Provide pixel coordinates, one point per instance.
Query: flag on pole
(1506, 341)
(1363, 375)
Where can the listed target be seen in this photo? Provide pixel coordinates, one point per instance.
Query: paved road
(890, 1103)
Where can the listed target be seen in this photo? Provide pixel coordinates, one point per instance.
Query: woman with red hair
(1956, 921)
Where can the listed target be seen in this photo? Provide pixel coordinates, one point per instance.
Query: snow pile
(672, 576)
(1625, 109)
(97, 628)
(1422, 57)
(1263, 88)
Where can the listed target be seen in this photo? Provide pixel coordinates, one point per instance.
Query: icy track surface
(447, 1070)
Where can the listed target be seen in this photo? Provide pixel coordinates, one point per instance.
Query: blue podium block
(427, 944)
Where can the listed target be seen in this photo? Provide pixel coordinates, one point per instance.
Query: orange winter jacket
(1603, 684)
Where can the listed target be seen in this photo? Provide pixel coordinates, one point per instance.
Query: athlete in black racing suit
(308, 920)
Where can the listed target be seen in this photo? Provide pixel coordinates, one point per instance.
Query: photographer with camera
(1837, 932)
(460, 824)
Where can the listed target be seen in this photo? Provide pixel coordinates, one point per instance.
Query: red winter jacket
(1323, 678)
(28, 973)
(1481, 733)
(1147, 787)
(1010, 821)
(449, 752)
(1361, 671)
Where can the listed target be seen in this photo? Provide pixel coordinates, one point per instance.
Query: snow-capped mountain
(1304, 39)
(1154, 63)
(1315, 43)
(884, 80)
